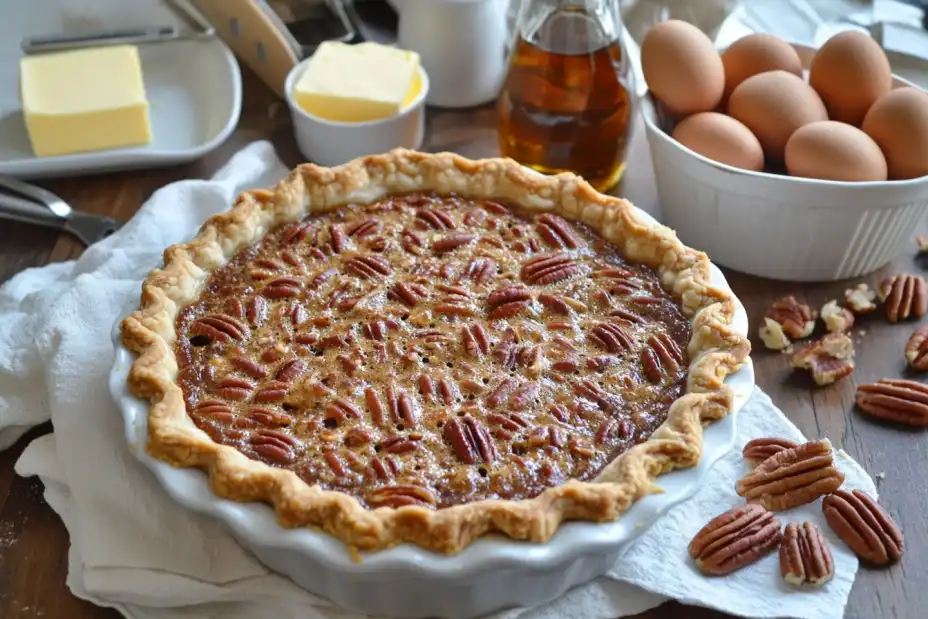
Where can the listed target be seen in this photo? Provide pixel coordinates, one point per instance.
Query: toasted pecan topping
(425, 351)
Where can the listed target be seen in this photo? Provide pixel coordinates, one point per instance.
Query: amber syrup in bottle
(567, 101)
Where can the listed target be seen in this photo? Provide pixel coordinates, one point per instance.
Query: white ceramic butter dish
(193, 87)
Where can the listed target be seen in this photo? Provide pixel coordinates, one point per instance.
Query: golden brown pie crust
(715, 350)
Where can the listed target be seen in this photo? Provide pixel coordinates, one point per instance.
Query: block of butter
(355, 83)
(84, 100)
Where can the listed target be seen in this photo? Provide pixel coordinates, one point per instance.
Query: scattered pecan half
(792, 477)
(916, 349)
(896, 400)
(759, 449)
(860, 299)
(864, 526)
(772, 335)
(904, 296)
(829, 359)
(797, 319)
(837, 319)
(737, 538)
(805, 556)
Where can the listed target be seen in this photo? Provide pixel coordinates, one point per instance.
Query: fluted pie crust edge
(715, 350)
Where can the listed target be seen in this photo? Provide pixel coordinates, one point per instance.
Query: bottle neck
(569, 26)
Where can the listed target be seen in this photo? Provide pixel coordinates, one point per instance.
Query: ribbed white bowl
(777, 226)
(406, 581)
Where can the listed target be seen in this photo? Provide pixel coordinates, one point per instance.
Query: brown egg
(898, 122)
(850, 72)
(773, 105)
(721, 138)
(834, 151)
(757, 53)
(682, 68)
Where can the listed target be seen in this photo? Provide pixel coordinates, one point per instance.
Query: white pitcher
(462, 44)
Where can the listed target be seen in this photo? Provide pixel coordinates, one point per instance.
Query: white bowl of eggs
(782, 161)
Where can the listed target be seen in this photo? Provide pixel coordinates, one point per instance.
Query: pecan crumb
(829, 359)
(837, 319)
(771, 333)
(797, 319)
(921, 241)
(860, 299)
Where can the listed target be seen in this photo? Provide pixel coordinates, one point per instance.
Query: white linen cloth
(135, 549)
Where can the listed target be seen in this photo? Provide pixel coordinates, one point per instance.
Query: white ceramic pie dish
(492, 574)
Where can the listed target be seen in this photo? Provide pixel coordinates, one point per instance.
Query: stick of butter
(84, 100)
(356, 83)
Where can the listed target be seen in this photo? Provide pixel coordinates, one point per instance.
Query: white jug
(462, 44)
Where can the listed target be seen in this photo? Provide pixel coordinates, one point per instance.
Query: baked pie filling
(432, 350)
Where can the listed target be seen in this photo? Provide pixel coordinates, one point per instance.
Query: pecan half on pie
(425, 348)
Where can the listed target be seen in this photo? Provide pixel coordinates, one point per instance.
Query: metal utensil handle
(200, 29)
(27, 211)
(36, 194)
(52, 43)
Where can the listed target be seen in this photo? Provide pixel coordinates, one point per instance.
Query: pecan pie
(425, 348)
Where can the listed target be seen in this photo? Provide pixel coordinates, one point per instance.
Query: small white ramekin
(777, 226)
(331, 143)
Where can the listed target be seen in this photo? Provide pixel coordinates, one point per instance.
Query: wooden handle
(255, 38)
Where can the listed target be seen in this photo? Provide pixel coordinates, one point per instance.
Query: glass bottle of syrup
(567, 100)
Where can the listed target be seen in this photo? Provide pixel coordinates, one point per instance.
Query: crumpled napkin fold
(136, 550)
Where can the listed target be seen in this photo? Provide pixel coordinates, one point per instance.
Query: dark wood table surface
(34, 543)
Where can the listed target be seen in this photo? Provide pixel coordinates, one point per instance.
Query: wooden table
(34, 544)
